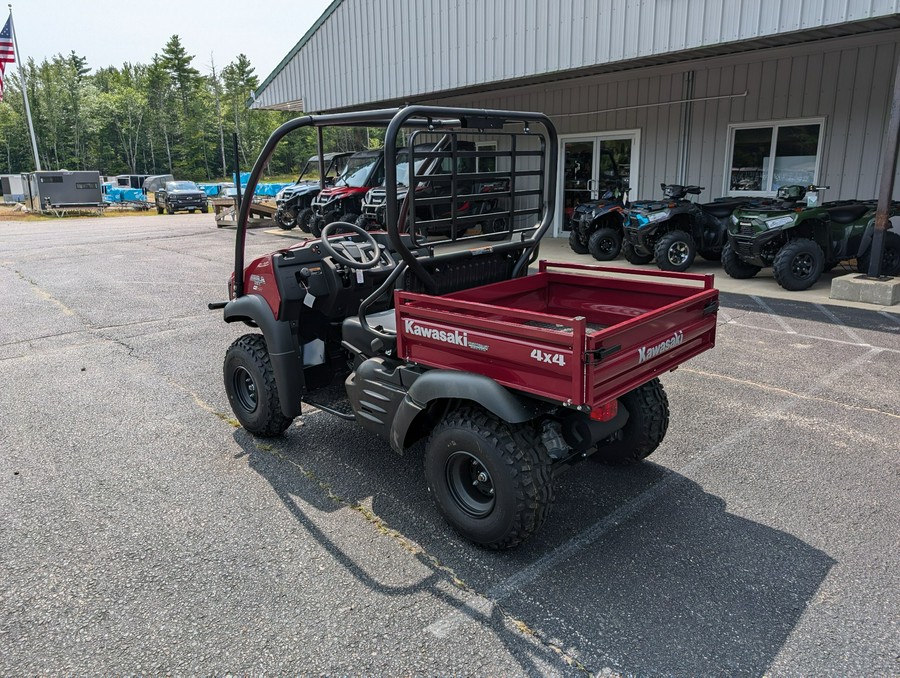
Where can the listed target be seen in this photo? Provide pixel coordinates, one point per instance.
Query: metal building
(739, 96)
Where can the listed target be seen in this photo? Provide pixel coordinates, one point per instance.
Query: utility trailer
(57, 192)
(426, 331)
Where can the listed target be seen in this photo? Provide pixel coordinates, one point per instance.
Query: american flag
(7, 53)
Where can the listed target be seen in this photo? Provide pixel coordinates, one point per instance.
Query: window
(795, 146)
(51, 180)
(489, 163)
(86, 184)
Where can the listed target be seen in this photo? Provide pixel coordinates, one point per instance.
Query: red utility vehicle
(413, 335)
(342, 201)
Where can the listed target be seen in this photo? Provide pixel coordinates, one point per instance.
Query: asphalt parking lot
(141, 532)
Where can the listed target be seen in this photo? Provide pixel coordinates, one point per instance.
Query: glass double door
(593, 165)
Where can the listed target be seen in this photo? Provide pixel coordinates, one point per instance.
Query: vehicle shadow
(637, 570)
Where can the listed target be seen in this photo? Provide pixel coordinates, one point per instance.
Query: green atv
(800, 240)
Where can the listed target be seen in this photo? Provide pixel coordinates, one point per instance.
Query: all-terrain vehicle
(342, 201)
(801, 240)
(293, 203)
(508, 376)
(672, 231)
(180, 196)
(477, 194)
(595, 226)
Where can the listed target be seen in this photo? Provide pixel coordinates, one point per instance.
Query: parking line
(837, 321)
(482, 605)
(768, 309)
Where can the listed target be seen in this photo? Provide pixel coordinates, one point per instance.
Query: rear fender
(440, 386)
(865, 241)
(287, 363)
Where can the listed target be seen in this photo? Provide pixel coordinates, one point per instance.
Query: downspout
(684, 131)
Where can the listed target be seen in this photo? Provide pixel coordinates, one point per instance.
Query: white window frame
(775, 125)
(484, 146)
(597, 137)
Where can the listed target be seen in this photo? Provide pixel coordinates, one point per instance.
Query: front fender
(452, 385)
(287, 362)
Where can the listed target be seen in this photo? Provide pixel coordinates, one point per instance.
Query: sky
(111, 32)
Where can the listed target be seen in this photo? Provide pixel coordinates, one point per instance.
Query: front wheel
(286, 217)
(490, 480)
(250, 385)
(605, 244)
(170, 209)
(799, 264)
(575, 242)
(632, 257)
(304, 217)
(159, 210)
(204, 209)
(675, 251)
(648, 421)
(316, 224)
(736, 267)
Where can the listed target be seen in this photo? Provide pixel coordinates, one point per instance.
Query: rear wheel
(575, 242)
(648, 420)
(675, 251)
(735, 266)
(605, 244)
(633, 257)
(490, 480)
(304, 217)
(250, 385)
(798, 264)
(890, 259)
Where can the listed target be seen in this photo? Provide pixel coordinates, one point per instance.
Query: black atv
(801, 238)
(674, 230)
(596, 225)
(293, 202)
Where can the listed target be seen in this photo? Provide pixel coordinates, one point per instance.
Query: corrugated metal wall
(846, 81)
(377, 50)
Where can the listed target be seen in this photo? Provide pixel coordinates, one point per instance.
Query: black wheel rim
(244, 389)
(470, 484)
(606, 245)
(678, 253)
(802, 265)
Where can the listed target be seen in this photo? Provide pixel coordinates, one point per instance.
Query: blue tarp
(211, 190)
(114, 194)
(268, 189)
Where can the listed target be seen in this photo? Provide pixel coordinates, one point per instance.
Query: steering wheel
(362, 256)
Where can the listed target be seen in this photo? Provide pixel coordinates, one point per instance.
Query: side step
(331, 399)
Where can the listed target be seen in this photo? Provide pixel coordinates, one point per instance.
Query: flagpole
(12, 29)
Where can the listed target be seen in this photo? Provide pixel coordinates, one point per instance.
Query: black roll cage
(429, 119)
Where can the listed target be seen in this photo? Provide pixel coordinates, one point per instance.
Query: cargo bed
(577, 334)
